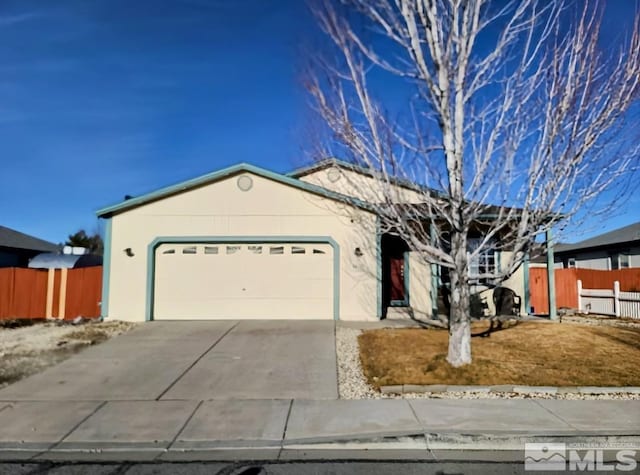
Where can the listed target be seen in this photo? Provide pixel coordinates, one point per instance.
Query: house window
(624, 261)
(484, 262)
(620, 261)
(571, 263)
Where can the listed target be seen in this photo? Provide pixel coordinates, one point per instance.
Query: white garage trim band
(246, 240)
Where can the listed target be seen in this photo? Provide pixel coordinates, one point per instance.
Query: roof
(625, 235)
(17, 240)
(335, 162)
(210, 178)
(55, 260)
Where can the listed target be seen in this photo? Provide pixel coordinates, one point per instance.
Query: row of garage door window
(252, 249)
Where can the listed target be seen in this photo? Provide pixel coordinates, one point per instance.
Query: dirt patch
(536, 354)
(28, 349)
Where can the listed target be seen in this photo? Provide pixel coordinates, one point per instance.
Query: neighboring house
(56, 260)
(16, 248)
(245, 242)
(618, 249)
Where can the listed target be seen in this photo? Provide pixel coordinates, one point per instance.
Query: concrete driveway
(196, 360)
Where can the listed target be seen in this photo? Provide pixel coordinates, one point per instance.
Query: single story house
(617, 249)
(16, 248)
(246, 243)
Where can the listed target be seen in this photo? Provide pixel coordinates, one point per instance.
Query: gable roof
(17, 240)
(625, 235)
(335, 162)
(210, 178)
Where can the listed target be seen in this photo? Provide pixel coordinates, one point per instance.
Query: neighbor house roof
(225, 173)
(55, 260)
(626, 235)
(17, 240)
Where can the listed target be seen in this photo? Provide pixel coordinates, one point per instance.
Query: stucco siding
(634, 257)
(222, 209)
(598, 260)
(419, 286)
(359, 186)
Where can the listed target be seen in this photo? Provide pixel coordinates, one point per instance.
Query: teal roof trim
(225, 173)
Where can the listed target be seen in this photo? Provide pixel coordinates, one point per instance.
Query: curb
(425, 446)
(508, 389)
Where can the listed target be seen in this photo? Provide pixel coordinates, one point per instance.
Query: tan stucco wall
(360, 186)
(419, 286)
(221, 209)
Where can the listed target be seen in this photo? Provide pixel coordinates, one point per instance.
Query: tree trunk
(459, 322)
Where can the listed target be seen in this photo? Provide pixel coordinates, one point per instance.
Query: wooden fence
(60, 293)
(566, 284)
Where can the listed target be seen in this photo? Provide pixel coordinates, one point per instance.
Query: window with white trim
(485, 262)
(623, 261)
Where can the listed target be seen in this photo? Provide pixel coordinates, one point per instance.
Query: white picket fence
(609, 301)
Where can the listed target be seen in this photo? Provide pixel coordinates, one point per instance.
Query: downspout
(106, 269)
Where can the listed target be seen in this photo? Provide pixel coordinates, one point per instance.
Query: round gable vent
(333, 175)
(245, 182)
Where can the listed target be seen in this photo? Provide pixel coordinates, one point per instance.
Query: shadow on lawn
(633, 339)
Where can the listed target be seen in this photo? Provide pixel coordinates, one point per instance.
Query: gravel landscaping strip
(351, 381)
(353, 385)
(600, 320)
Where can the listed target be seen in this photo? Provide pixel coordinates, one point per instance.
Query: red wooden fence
(566, 281)
(23, 293)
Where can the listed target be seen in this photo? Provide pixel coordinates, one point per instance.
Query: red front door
(397, 279)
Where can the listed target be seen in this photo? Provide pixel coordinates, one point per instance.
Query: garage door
(243, 281)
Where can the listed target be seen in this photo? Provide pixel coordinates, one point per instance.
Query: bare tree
(515, 120)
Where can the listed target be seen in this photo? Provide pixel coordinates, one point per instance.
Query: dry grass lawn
(529, 353)
(27, 348)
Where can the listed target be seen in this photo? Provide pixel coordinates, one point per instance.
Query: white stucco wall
(222, 209)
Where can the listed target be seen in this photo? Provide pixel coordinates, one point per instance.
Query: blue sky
(102, 98)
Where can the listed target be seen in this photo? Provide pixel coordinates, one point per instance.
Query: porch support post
(434, 277)
(527, 286)
(379, 309)
(551, 281)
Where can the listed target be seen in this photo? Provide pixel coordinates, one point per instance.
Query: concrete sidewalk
(272, 429)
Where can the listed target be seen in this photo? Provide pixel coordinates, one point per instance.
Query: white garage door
(243, 281)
